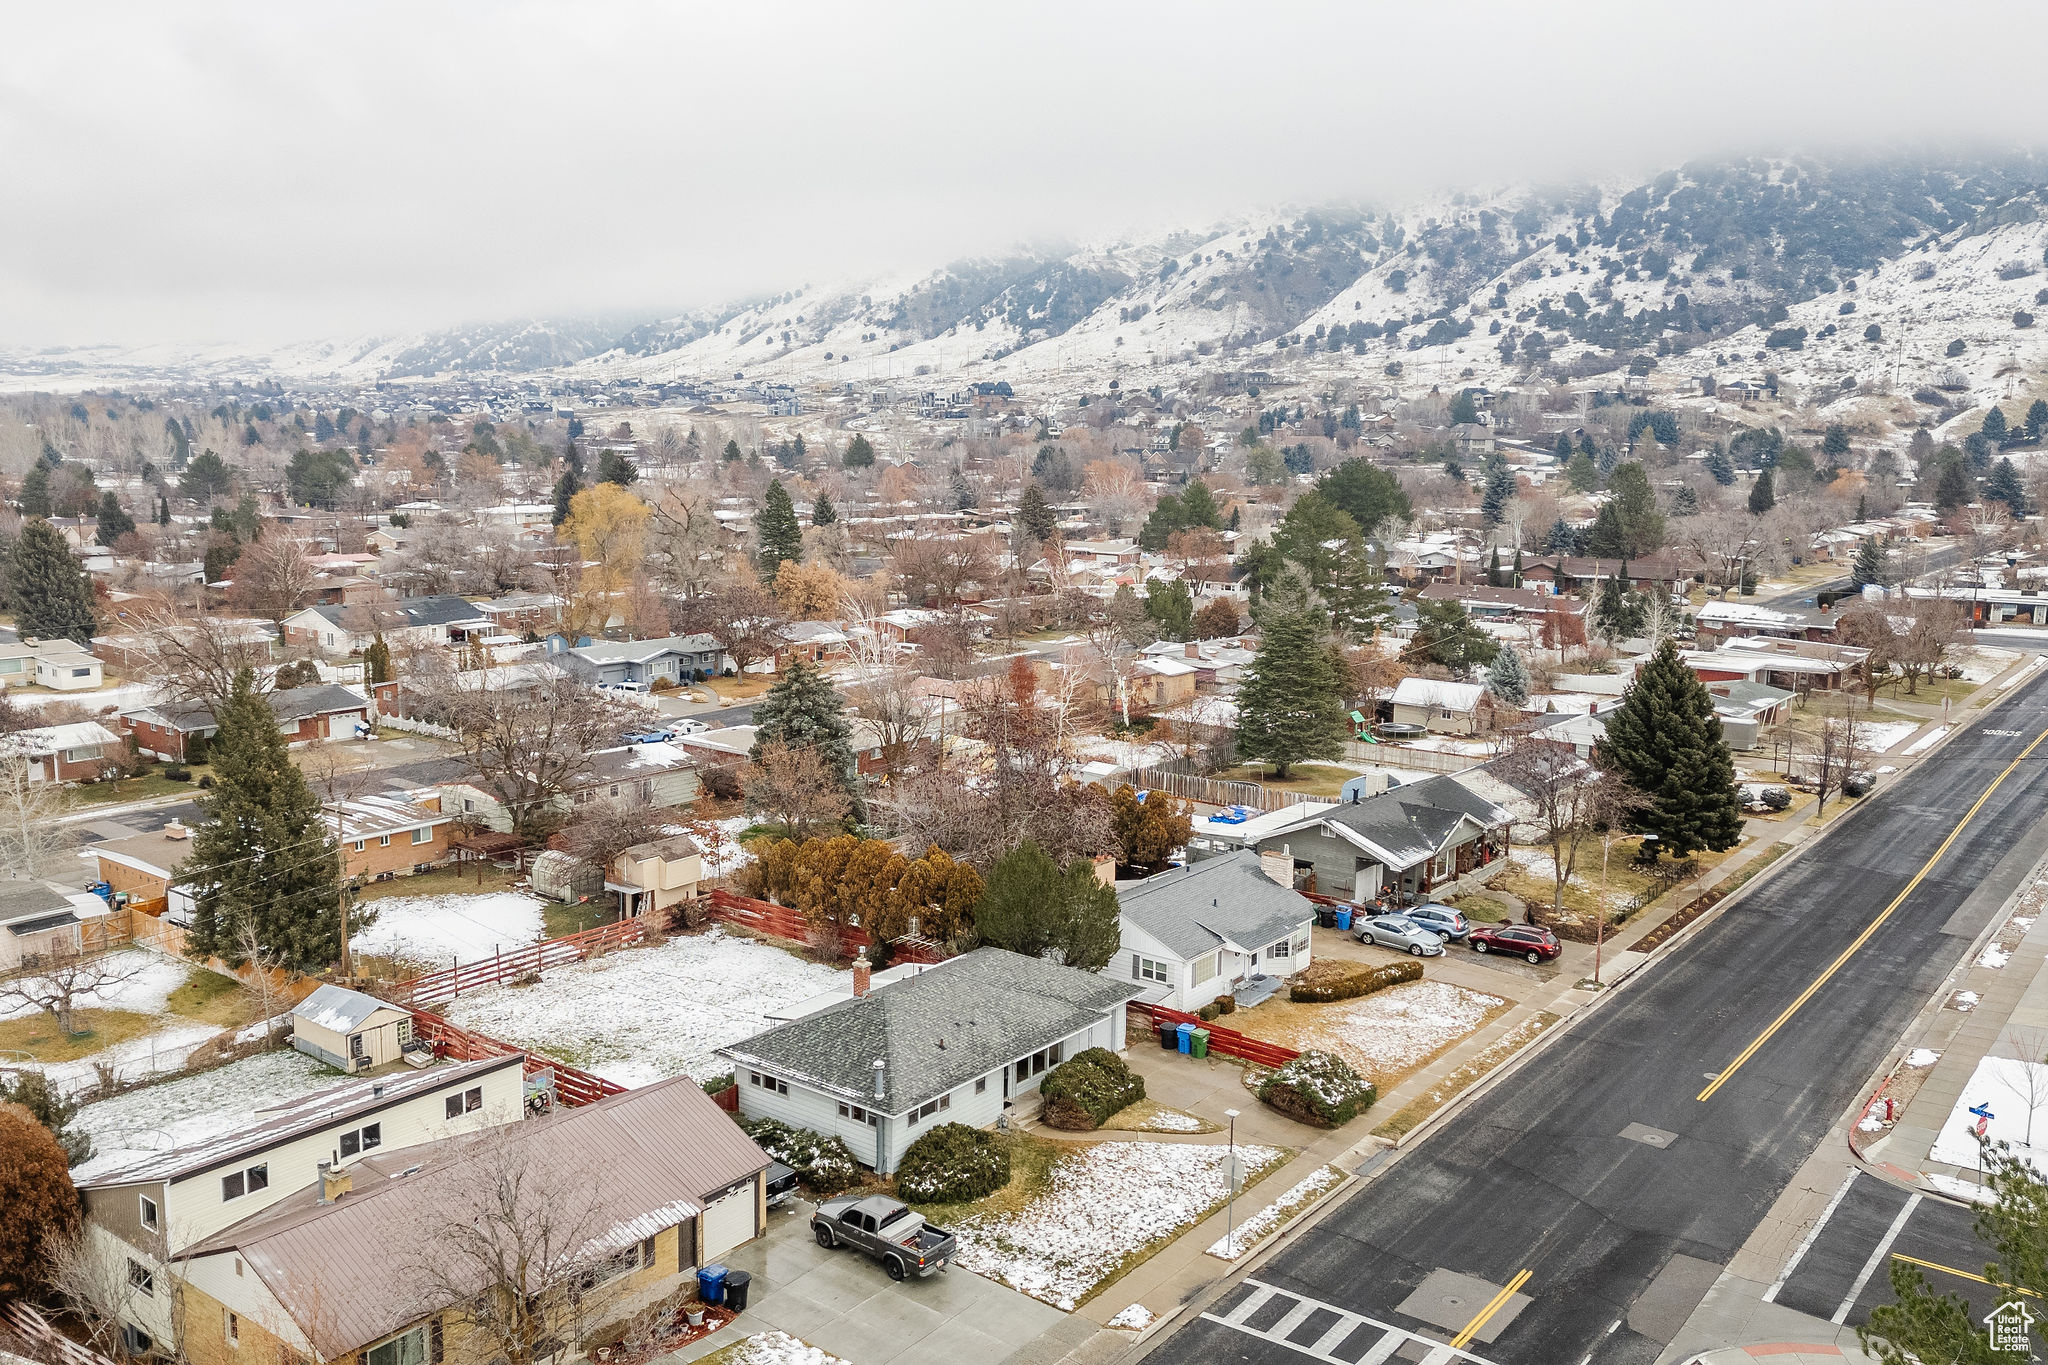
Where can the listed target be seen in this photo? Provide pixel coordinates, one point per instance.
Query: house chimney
(861, 976)
(1194, 651)
(1278, 866)
(881, 1072)
(176, 829)
(334, 1182)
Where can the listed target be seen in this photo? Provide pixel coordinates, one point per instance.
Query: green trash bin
(1199, 1044)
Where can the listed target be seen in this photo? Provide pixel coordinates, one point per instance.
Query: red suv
(1528, 941)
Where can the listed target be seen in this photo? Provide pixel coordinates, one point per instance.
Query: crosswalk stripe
(1382, 1350)
(1296, 1316)
(1252, 1304)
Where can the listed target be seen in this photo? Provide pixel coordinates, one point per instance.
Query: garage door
(728, 1222)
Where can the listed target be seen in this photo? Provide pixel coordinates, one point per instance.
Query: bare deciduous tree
(198, 656)
(59, 985)
(1569, 798)
(31, 830)
(528, 745)
(275, 577)
(883, 691)
(93, 1281)
(794, 788)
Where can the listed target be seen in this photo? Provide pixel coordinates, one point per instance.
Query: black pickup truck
(885, 1229)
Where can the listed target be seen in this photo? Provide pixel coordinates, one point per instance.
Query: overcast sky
(264, 171)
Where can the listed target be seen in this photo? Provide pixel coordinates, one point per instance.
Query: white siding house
(1195, 933)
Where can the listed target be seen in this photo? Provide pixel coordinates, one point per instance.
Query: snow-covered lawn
(1982, 663)
(723, 855)
(644, 1014)
(146, 992)
(163, 1048)
(1877, 739)
(443, 929)
(774, 1348)
(1258, 1226)
(1102, 1204)
(2009, 1088)
(192, 1109)
(1385, 1035)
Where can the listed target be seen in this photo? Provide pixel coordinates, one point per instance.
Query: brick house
(63, 753)
(177, 731)
(382, 837)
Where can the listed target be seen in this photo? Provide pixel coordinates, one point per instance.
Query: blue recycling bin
(1187, 1037)
(711, 1283)
(1344, 918)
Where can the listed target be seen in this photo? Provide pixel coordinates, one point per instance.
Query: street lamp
(1230, 1190)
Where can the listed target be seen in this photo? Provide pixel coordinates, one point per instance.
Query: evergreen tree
(1493, 578)
(163, 511)
(1198, 507)
(804, 711)
(206, 477)
(823, 513)
(1172, 607)
(1870, 563)
(614, 467)
(2004, 486)
(1720, 465)
(1560, 539)
(377, 661)
(1629, 523)
(1994, 426)
(1463, 409)
(1835, 442)
(1031, 906)
(52, 1108)
(1761, 498)
(1581, 474)
(1040, 522)
(732, 453)
(35, 492)
(1446, 634)
(566, 489)
(782, 539)
(1508, 679)
(52, 594)
(1165, 519)
(1685, 502)
(1666, 741)
(2037, 418)
(1954, 488)
(1518, 568)
(860, 453)
(1586, 446)
(1368, 494)
(264, 857)
(1290, 705)
(1564, 447)
(1500, 491)
(1618, 614)
(114, 520)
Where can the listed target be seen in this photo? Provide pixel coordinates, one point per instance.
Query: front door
(1366, 887)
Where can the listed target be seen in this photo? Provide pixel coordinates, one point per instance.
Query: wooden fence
(572, 1086)
(784, 921)
(1228, 1042)
(1401, 756)
(33, 1326)
(1217, 791)
(450, 982)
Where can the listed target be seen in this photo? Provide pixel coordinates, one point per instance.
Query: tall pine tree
(52, 595)
(1762, 498)
(114, 520)
(264, 857)
(1508, 679)
(782, 538)
(566, 489)
(1040, 522)
(1290, 706)
(1666, 741)
(823, 513)
(1870, 563)
(805, 711)
(2004, 486)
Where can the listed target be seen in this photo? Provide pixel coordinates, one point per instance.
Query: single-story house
(522, 613)
(176, 731)
(1434, 837)
(1791, 665)
(631, 775)
(38, 922)
(1568, 573)
(1719, 622)
(1193, 933)
(350, 628)
(1450, 708)
(1215, 661)
(643, 663)
(65, 667)
(958, 1042)
(63, 753)
(381, 837)
(815, 642)
(656, 875)
(349, 1030)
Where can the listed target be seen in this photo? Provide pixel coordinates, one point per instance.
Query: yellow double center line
(1965, 1274)
(1493, 1305)
(1872, 928)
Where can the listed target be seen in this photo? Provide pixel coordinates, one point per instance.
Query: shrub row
(1318, 1088)
(1329, 978)
(952, 1164)
(822, 1163)
(1083, 1092)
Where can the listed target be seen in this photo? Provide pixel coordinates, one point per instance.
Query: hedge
(1082, 1092)
(1318, 1088)
(822, 1163)
(1330, 978)
(951, 1165)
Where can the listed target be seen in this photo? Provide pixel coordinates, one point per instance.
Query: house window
(423, 836)
(232, 1328)
(1281, 949)
(981, 1085)
(359, 845)
(1038, 1062)
(255, 1178)
(384, 841)
(407, 1348)
(142, 1277)
(1147, 969)
(468, 1101)
(780, 1087)
(1205, 968)
(362, 1139)
(149, 1213)
(859, 1115)
(136, 1340)
(930, 1107)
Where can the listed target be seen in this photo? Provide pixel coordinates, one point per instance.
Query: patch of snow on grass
(1256, 1228)
(1102, 1204)
(1137, 1317)
(1922, 1056)
(157, 1118)
(776, 1348)
(146, 992)
(442, 929)
(1982, 663)
(1878, 738)
(643, 1014)
(1392, 1031)
(1173, 1121)
(2010, 1089)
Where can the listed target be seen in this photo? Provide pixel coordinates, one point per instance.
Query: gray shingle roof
(936, 1030)
(1412, 823)
(1195, 909)
(30, 900)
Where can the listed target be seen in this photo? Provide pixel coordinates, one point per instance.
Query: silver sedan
(1398, 931)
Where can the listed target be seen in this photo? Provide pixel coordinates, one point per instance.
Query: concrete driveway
(845, 1304)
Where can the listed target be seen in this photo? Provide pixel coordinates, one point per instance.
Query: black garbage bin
(1169, 1037)
(736, 1284)
(1326, 916)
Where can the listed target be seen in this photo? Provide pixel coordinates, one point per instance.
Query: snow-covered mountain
(1712, 268)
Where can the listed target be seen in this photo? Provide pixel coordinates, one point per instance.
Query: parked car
(646, 737)
(687, 727)
(1398, 931)
(781, 1182)
(1529, 941)
(1441, 920)
(886, 1230)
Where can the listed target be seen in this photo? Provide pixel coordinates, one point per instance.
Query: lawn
(1933, 691)
(561, 919)
(210, 998)
(37, 1037)
(474, 879)
(741, 688)
(1448, 1089)
(1310, 779)
(1384, 1036)
(140, 788)
(1481, 908)
(1147, 1116)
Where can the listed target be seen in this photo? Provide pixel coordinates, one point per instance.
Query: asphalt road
(1538, 1174)
(1942, 558)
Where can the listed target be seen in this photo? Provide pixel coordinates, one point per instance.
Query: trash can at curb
(711, 1283)
(1186, 1035)
(1326, 917)
(736, 1283)
(1344, 920)
(1199, 1044)
(1168, 1036)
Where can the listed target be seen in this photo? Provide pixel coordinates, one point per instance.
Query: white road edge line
(1876, 1259)
(1812, 1236)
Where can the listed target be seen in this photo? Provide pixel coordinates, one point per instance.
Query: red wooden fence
(1227, 1041)
(783, 921)
(572, 1086)
(727, 1099)
(450, 982)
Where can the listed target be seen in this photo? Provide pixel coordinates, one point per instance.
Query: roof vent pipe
(881, 1068)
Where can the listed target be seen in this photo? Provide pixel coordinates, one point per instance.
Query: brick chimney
(1194, 651)
(1278, 866)
(334, 1182)
(861, 975)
